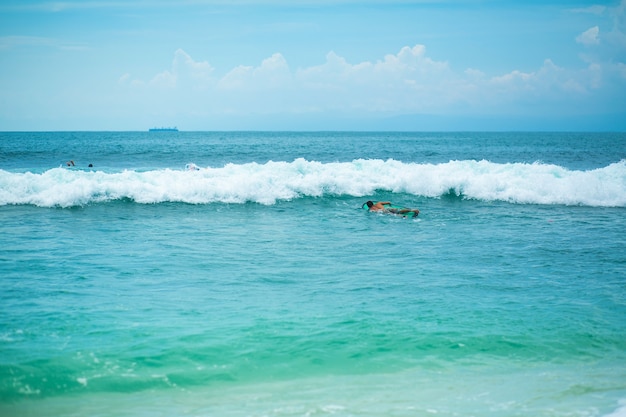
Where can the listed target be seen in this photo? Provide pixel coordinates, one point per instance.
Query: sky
(419, 65)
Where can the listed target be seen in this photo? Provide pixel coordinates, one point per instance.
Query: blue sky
(313, 65)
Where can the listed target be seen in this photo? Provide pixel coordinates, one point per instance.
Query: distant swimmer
(192, 167)
(382, 207)
(90, 166)
(70, 163)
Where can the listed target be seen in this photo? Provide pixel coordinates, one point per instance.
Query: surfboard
(410, 214)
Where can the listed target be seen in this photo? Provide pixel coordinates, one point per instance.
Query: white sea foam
(274, 181)
(620, 411)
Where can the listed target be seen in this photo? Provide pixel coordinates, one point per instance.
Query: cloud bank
(590, 36)
(405, 82)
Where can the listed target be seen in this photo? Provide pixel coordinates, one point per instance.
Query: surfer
(380, 206)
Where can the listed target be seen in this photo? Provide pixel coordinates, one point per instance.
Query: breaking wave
(268, 183)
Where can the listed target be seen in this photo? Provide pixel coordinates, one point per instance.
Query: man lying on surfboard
(380, 206)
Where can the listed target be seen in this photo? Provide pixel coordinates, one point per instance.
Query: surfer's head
(369, 204)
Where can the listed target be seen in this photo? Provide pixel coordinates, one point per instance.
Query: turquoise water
(257, 286)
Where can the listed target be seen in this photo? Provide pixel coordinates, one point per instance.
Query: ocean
(236, 274)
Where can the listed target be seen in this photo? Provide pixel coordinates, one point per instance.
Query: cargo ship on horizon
(163, 129)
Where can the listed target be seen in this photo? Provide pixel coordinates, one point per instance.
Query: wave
(520, 183)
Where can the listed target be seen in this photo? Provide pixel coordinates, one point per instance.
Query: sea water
(236, 274)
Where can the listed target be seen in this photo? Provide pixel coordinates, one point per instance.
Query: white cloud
(273, 73)
(236, 78)
(514, 77)
(589, 37)
(325, 75)
(406, 81)
(164, 79)
(402, 83)
(549, 81)
(184, 73)
(408, 64)
(411, 60)
(549, 85)
(185, 67)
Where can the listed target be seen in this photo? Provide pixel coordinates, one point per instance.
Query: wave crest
(267, 183)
